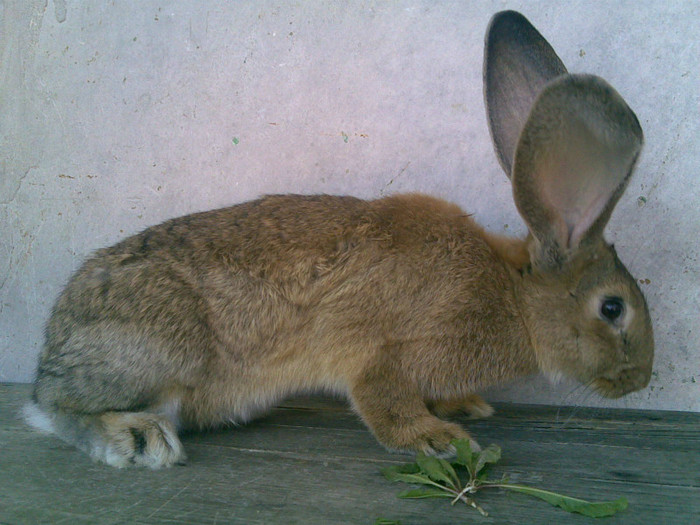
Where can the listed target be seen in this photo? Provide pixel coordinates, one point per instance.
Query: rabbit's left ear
(518, 63)
(573, 160)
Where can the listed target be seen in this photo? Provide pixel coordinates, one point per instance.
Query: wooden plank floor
(312, 461)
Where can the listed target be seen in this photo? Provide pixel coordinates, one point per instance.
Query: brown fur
(402, 304)
(387, 301)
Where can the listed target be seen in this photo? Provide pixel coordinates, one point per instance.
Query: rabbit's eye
(612, 308)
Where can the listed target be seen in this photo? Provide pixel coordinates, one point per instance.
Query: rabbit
(403, 304)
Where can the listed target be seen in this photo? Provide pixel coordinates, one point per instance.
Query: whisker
(576, 399)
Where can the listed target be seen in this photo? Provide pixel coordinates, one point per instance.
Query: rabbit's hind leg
(472, 404)
(111, 395)
(119, 439)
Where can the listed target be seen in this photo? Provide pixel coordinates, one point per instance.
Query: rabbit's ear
(574, 157)
(518, 62)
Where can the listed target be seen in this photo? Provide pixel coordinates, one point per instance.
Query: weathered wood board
(312, 461)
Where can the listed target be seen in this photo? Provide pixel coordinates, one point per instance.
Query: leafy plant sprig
(440, 480)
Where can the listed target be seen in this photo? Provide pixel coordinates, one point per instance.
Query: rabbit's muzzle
(626, 381)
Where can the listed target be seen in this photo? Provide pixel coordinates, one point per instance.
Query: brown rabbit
(403, 304)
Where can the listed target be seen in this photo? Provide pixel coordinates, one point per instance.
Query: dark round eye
(612, 308)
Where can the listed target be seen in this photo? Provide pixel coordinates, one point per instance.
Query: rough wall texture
(117, 115)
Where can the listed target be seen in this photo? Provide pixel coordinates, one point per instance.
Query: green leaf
(465, 456)
(408, 473)
(392, 472)
(421, 479)
(438, 470)
(384, 521)
(425, 493)
(490, 454)
(599, 509)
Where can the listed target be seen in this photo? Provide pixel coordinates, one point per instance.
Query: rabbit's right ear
(573, 160)
(518, 63)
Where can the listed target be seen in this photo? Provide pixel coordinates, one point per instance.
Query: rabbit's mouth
(626, 381)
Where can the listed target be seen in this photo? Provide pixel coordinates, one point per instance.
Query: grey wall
(117, 115)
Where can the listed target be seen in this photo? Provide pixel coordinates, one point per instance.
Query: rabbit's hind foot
(138, 439)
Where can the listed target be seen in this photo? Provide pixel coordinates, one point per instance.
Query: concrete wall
(117, 115)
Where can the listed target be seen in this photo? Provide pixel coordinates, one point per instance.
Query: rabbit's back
(304, 248)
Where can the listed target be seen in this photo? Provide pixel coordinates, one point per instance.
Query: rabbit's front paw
(427, 434)
(139, 438)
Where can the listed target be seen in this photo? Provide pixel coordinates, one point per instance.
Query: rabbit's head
(569, 144)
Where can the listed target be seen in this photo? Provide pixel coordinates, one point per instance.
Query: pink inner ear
(575, 179)
(586, 219)
(577, 208)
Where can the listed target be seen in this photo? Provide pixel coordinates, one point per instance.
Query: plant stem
(469, 489)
